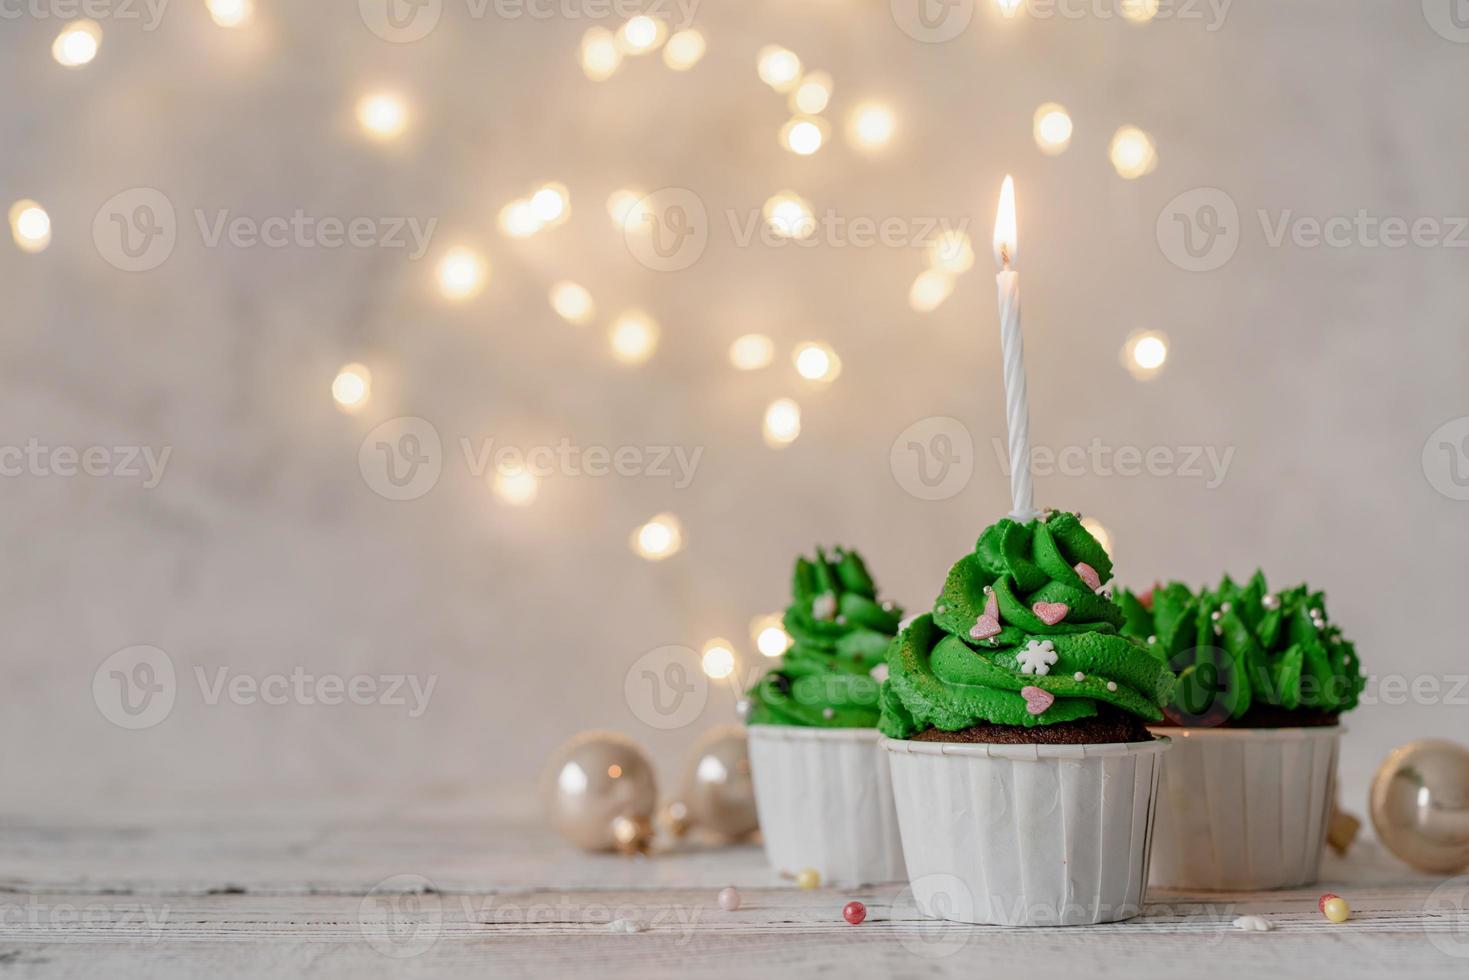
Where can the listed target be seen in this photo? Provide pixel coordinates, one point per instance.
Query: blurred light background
(249, 236)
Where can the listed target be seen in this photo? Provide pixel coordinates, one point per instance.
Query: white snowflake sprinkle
(1078, 676)
(1037, 658)
(1111, 685)
(824, 606)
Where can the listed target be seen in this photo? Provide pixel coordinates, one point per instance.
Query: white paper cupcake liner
(1026, 835)
(1244, 809)
(826, 802)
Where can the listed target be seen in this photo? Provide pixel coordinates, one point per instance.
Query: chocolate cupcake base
(1108, 726)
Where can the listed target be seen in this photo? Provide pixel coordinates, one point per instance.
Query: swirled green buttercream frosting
(1022, 635)
(839, 632)
(1243, 647)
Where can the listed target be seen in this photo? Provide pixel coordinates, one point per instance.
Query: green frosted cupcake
(831, 674)
(1025, 646)
(1247, 657)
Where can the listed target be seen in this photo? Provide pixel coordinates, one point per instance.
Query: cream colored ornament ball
(718, 794)
(600, 792)
(1420, 805)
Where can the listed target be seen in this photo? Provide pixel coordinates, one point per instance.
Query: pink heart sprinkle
(1037, 700)
(1089, 575)
(1050, 613)
(988, 623)
(984, 627)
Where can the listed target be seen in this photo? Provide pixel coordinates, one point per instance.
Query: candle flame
(1007, 239)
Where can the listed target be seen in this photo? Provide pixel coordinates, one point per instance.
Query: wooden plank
(325, 897)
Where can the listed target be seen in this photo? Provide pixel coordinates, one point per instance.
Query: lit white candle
(1007, 249)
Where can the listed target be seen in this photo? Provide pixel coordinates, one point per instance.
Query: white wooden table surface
(324, 896)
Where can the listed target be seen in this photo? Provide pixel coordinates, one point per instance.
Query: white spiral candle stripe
(1017, 414)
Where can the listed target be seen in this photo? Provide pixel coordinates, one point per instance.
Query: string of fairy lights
(462, 270)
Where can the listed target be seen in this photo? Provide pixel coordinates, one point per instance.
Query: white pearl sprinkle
(941, 609)
(1225, 607)
(841, 621)
(1111, 685)
(1078, 676)
(828, 713)
(1152, 639)
(988, 589)
(1214, 615)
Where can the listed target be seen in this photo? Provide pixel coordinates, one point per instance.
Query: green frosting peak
(840, 633)
(1242, 646)
(1023, 610)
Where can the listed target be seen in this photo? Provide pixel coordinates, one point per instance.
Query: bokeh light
(1103, 536)
(572, 302)
(641, 34)
(789, 215)
(382, 115)
(600, 55)
(30, 226)
(769, 634)
(1133, 153)
(718, 659)
(461, 273)
(782, 423)
(352, 387)
(77, 44)
(660, 538)
(634, 337)
(1139, 11)
(1052, 128)
(802, 136)
(1144, 353)
(778, 67)
(752, 352)
(951, 252)
(626, 207)
(520, 219)
(231, 13)
(813, 94)
(929, 290)
(515, 485)
(684, 50)
(871, 126)
(816, 361)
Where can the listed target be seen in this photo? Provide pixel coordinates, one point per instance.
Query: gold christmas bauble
(718, 794)
(1420, 805)
(600, 792)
